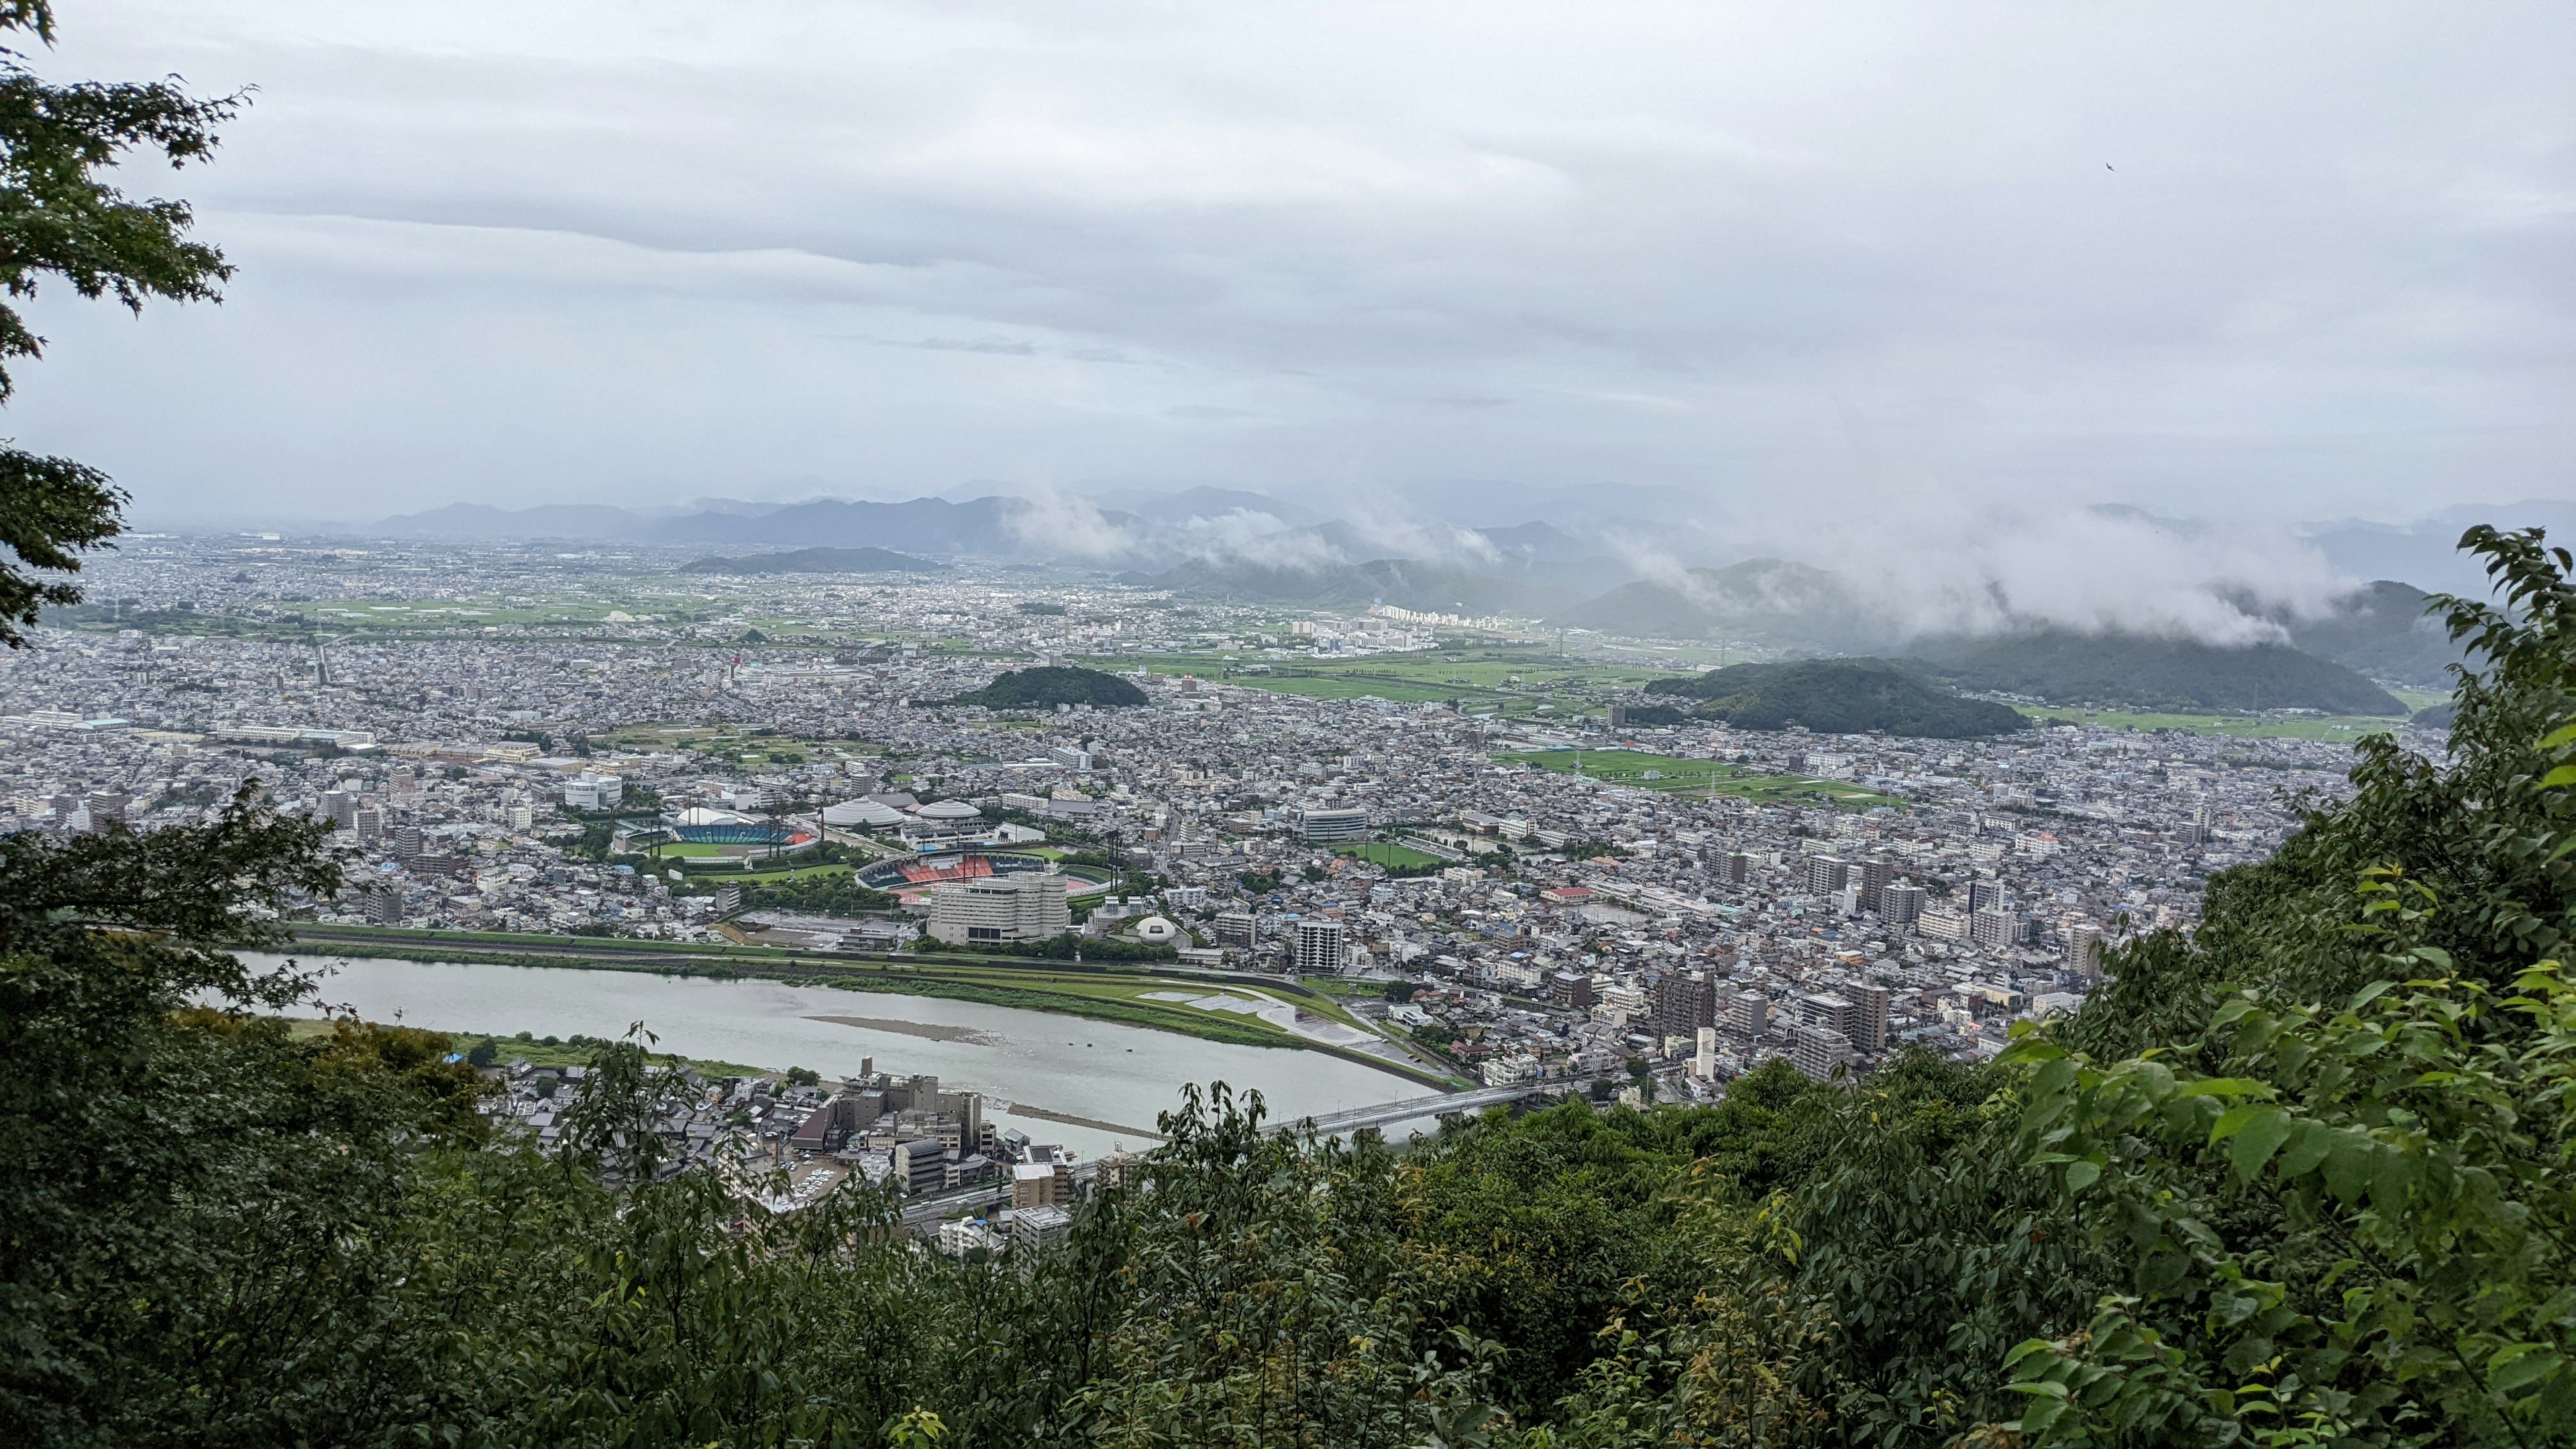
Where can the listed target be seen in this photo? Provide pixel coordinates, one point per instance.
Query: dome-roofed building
(1156, 931)
(949, 810)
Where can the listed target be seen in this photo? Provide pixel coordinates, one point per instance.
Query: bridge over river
(1442, 1104)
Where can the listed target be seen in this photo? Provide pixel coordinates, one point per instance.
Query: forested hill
(1838, 696)
(2152, 673)
(1052, 685)
(2335, 1198)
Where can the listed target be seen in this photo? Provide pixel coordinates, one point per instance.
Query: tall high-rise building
(1747, 1013)
(368, 824)
(1240, 929)
(2084, 949)
(1322, 947)
(1826, 874)
(1868, 1029)
(1683, 1002)
(1820, 1051)
(1737, 868)
(1901, 903)
(1873, 876)
(1984, 893)
(1994, 928)
(407, 842)
(107, 807)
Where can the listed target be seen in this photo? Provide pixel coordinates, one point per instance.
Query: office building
(593, 792)
(1025, 906)
(1336, 824)
(921, 1165)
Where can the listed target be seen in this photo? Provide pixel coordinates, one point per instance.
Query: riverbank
(1121, 994)
(526, 1046)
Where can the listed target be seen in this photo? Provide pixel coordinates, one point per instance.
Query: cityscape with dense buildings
(1343, 726)
(1519, 884)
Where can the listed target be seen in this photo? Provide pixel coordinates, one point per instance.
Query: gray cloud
(1805, 268)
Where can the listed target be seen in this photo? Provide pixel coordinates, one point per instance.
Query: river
(1107, 1074)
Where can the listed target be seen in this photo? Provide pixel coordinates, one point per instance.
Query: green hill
(2382, 631)
(1047, 687)
(816, 561)
(2154, 674)
(1838, 696)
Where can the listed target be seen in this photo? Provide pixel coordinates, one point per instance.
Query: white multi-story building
(1000, 908)
(594, 792)
(1322, 947)
(1819, 1051)
(1344, 823)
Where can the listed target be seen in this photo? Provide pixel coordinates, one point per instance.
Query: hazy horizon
(2298, 263)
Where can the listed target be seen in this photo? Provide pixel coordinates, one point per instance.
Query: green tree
(60, 219)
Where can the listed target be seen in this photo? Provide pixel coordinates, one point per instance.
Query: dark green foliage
(815, 561)
(824, 895)
(1838, 696)
(1052, 685)
(2155, 674)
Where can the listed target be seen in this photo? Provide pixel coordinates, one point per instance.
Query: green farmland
(2335, 728)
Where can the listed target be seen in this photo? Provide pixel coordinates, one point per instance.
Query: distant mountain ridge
(816, 561)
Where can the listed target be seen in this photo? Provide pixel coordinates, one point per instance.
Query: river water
(1116, 1076)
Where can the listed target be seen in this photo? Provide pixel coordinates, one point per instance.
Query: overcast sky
(2275, 261)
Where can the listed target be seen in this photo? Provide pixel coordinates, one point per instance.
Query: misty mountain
(1839, 696)
(979, 526)
(583, 521)
(2182, 675)
(2428, 551)
(1203, 502)
(2383, 632)
(815, 561)
(1765, 601)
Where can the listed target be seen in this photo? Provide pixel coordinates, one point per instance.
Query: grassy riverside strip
(1099, 994)
(561, 1054)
